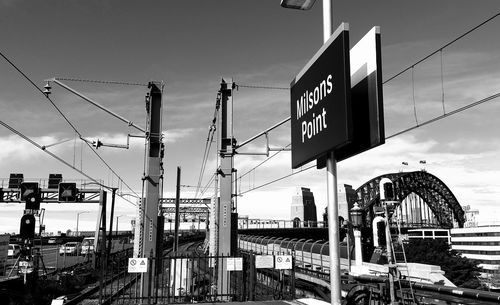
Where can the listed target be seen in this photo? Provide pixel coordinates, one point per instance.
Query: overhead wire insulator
(47, 89)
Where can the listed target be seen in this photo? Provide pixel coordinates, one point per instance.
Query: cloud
(14, 147)
(175, 135)
(472, 177)
(464, 77)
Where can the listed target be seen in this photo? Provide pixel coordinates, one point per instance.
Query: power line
(484, 100)
(12, 129)
(44, 149)
(443, 47)
(65, 118)
(208, 144)
(206, 153)
(265, 160)
(390, 79)
(209, 183)
(481, 101)
(278, 179)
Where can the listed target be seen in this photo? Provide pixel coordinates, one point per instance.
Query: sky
(191, 45)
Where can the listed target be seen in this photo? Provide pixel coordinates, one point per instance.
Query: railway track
(120, 284)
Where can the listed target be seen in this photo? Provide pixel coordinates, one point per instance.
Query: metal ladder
(407, 294)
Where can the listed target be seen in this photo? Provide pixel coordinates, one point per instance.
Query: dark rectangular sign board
(366, 98)
(321, 118)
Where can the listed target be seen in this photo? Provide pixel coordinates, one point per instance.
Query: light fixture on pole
(78, 219)
(298, 4)
(423, 162)
(403, 164)
(356, 214)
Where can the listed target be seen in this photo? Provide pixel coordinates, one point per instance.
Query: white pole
(327, 19)
(333, 227)
(357, 247)
(331, 168)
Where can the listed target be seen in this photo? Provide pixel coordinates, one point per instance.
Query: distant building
(481, 244)
(303, 207)
(345, 197)
(470, 217)
(430, 234)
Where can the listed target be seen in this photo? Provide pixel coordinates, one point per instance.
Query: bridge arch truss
(418, 190)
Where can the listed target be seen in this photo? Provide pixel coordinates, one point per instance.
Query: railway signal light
(67, 192)
(30, 192)
(28, 188)
(27, 229)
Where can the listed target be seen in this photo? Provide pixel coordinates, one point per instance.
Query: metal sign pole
(333, 227)
(331, 178)
(177, 206)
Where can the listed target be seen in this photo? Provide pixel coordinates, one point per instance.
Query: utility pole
(151, 179)
(110, 236)
(177, 208)
(226, 154)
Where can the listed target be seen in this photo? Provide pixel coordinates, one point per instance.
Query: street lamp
(331, 165)
(78, 219)
(356, 214)
(298, 4)
(117, 217)
(423, 162)
(403, 164)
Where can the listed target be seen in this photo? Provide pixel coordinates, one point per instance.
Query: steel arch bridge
(423, 200)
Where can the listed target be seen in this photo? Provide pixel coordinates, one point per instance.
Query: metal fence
(195, 278)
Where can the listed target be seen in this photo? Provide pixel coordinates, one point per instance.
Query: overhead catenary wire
(206, 153)
(207, 186)
(400, 73)
(41, 147)
(444, 46)
(278, 179)
(264, 161)
(456, 111)
(208, 144)
(64, 116)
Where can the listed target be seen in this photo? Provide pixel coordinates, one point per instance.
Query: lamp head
(298, 4)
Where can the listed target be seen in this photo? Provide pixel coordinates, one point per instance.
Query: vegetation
(461, 271)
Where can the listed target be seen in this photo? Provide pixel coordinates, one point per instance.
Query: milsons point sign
(320, 95)
(336, 100)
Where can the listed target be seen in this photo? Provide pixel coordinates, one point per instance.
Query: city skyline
(191, 45)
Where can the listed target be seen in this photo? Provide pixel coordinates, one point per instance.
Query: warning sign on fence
(283, 262)
(234, 263)
(137, 265)
(264, 261)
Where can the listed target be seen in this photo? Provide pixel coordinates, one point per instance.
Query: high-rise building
(303, 209)
(481, 244)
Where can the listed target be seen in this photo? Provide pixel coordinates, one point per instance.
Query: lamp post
(118, 217)
(357, 221)
(331, 164)
(78, 220)
(423, 163)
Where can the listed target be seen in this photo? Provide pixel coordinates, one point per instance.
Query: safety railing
(195, 278)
